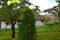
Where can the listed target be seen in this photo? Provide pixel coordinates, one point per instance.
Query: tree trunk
(13, 29)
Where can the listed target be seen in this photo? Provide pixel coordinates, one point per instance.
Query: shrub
(27, 27)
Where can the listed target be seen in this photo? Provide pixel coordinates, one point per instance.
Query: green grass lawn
(49, 31)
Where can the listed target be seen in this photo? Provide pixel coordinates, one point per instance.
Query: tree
(37, 11)
(53, 10)
(11, 15)
(27, 27)
(58, 8)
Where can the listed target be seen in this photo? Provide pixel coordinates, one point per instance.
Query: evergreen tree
(27, 26)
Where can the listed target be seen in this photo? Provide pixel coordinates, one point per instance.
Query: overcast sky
(44, 4)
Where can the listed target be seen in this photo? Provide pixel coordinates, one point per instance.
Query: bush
(27, 27)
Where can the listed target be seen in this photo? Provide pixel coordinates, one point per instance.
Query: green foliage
(5, 2)
(27, 27)
(8, 13)
(50, 27)
(58, 0)
(3, 12)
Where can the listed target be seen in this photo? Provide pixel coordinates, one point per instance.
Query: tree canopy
(12, 1)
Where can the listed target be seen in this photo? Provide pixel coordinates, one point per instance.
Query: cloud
(44, 4)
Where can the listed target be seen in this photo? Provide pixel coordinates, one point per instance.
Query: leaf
(12, 1)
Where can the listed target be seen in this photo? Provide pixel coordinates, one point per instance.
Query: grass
(49, 31)
(5, 34)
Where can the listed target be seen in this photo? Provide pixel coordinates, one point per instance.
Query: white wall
(39, 23)
(3, 25)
